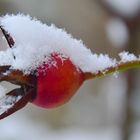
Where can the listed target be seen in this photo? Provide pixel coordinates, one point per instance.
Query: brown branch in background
(120, 66)
(132, 25)
(131, 80)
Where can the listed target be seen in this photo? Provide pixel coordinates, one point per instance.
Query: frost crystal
(35, 42)
(126, 57)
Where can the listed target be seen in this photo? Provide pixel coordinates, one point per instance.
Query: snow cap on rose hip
(48, 63)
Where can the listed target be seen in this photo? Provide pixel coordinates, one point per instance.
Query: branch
(120, 66)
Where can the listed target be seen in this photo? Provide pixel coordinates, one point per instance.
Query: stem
(120, 66)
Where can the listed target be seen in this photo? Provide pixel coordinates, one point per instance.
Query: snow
(35, 42)
(7, 102)
(2, 91)
(127, 8)
(127, 57)
(117, 32)
(6, 57)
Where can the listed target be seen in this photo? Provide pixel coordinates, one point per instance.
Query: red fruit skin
(58, 84)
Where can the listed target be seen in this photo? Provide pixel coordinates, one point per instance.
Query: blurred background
(107, 108)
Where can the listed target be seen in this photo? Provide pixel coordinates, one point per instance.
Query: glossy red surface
(58, 83)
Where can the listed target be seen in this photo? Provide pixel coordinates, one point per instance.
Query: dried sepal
(13, 101)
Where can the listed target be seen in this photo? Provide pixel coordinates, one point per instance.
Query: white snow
(2, 91)
(127, 8)
(126, 57)
(6, 57)
(7, 102)
(35, 42)
(117, 32)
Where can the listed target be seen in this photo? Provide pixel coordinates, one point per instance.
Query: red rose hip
(56, 83)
